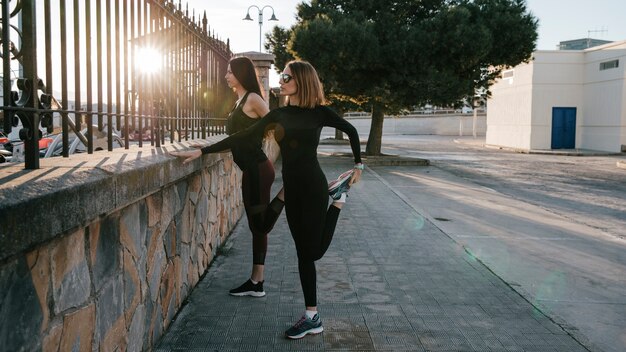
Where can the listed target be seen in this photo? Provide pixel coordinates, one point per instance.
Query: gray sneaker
(305, 326)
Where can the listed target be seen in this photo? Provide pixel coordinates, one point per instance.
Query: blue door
(563, 128)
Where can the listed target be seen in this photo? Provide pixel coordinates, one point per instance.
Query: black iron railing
(130, 71)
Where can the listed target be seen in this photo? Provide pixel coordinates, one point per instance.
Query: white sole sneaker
(313, 331)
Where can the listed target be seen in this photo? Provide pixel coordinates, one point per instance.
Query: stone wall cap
(257, 56)
(65, 192)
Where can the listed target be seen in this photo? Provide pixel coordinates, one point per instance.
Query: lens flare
(413, 224)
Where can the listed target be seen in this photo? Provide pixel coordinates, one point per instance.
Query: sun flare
(148, 60)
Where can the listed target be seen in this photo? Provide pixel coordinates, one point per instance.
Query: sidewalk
(480, 142)
(391, 281)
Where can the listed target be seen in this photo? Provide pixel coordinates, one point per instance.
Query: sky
(225, 17)
(559, 20)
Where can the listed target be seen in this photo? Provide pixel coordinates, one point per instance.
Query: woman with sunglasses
(297, 129)
(258, 171)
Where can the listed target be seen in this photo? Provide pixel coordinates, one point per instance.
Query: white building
(562, 100)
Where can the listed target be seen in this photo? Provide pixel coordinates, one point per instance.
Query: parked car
(55, 148)
(5, 148)
(5, 156)
(52, 145)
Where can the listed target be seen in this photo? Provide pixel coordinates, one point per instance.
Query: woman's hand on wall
(187, 156)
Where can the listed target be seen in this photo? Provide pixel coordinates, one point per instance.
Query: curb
(386, 160)
(564, 152)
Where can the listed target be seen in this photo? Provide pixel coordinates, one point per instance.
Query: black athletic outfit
(312, 223)
(258, 176)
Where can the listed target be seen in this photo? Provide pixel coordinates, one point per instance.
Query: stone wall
(115, 281)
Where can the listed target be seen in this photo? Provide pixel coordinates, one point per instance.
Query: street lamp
(260, 10)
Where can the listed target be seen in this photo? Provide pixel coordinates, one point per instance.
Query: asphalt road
(589, 190)
(552, 226)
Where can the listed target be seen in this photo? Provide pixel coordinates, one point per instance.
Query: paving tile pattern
(391, 281)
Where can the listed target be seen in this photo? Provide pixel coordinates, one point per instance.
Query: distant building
(574, 99)
(581, 44)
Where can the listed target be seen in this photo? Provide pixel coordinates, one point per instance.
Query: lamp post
(260, 11)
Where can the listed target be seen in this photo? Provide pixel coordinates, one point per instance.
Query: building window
(508, 73)
(609, 64)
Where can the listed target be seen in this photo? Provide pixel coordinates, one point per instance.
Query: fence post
(114, 31)
(29, 86)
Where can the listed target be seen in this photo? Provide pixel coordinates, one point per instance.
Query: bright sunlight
(148, 60)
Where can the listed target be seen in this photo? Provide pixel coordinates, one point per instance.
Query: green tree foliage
(390, 55)
(276, 43)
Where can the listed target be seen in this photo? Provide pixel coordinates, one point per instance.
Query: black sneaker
(249, 289)
(341, 185)
(305, 326)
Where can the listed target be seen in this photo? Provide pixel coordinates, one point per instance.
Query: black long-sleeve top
(245, 155)
(296, 130)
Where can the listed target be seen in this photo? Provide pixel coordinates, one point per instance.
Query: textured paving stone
(391, 281)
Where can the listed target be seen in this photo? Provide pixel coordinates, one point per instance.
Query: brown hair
(310, 92)
(243, 69)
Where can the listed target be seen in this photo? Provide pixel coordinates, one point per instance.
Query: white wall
(509, 113)
(623, 120)
(557, 82)
(520, 109)
(604, 123)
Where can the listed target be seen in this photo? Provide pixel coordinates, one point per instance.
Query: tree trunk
(338, 133)
(374, 141)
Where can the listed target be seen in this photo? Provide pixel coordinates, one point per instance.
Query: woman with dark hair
(258, 171)
(297, 129)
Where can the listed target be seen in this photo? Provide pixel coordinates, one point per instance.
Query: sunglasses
(285, 77)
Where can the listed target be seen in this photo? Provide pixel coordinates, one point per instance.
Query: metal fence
(119, 71)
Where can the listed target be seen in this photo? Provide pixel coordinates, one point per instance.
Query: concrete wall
(520, 109)
(557, 82)
(445, 125)
(99, 252)
(604, 124)
(509, 115)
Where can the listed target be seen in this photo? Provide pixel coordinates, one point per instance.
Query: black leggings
(306, 263)
(256, 184)
(311, 222)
